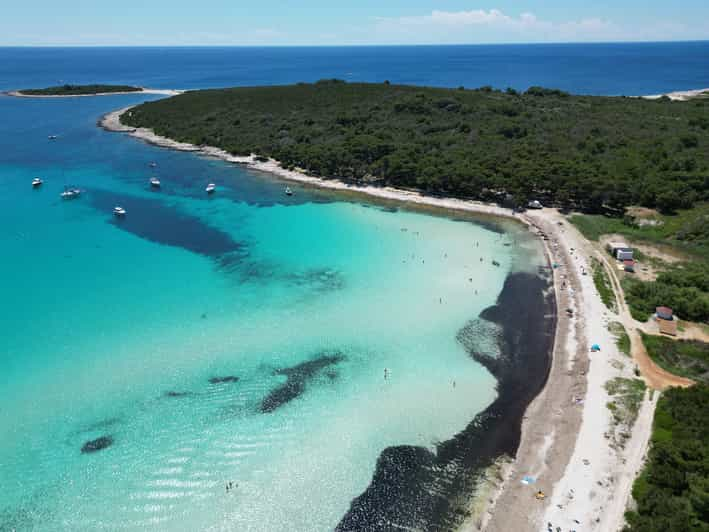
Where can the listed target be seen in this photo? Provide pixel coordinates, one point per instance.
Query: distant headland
(68, 90)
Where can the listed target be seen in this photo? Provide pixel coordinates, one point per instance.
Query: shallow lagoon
(115, 328)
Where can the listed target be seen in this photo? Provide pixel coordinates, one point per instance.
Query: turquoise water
(115, 328)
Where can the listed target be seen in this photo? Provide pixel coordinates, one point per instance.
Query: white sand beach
(111, 121)
(680, 95)
(566, 446)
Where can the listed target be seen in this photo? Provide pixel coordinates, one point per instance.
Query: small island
(78, 90)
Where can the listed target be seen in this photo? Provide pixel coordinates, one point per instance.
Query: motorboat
(289, 192)
(154, 182)
(211, 187)
(119, 211)
(153, 164)
(53, 137)
(37, 182)
(71, 193)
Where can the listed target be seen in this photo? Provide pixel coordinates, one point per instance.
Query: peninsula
(68, 90)
(591, 153)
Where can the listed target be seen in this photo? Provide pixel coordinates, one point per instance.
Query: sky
(354, 22)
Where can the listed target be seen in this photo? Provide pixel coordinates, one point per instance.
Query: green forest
(684, 288)
(593, 153)
(78, 90)
(672, 492)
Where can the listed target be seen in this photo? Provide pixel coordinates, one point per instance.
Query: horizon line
(402, 45)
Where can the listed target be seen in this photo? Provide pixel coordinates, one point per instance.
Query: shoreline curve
(111, 122)
(548, 445)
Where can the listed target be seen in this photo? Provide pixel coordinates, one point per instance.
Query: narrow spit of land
(71, 91)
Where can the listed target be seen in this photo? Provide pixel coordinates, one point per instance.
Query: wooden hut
(664, 313)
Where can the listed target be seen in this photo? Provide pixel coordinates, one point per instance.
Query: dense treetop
(591, 151)
(77, 90)
(672, 492)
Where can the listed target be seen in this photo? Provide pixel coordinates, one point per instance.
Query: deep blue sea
(278, 343)
(608, 69)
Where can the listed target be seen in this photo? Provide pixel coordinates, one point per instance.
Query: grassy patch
(622, 340)
(603, 285)
(686, 230)
(626, 398)
(687, 358)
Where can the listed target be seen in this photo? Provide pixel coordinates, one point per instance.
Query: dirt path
(634, 455)
(654, 375)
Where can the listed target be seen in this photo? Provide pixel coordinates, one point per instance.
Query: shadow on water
(413, 488)
(153, 220)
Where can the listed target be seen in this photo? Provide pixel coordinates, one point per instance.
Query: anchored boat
(119, 211)
(37, 182)
(211, 187)
(71, 193)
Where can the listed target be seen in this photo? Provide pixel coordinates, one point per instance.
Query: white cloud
(493, 25)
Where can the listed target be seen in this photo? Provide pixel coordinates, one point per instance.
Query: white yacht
(52, 137)
(37, 182)
(154, 182)
(71, 193)
(211, 187)
(289, 192)
(119, 211)
(153, 164)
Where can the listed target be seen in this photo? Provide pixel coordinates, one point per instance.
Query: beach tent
(595, 347)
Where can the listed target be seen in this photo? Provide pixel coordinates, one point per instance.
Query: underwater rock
(221, 380)
(298, 377)
(96, 445)
(172, 393)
